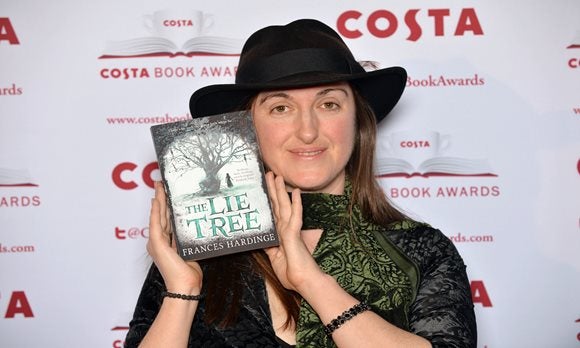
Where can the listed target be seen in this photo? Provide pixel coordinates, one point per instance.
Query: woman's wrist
(328, 298)
(316, 285)
(187, 288)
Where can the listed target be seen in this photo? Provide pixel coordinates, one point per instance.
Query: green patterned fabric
(362, 260)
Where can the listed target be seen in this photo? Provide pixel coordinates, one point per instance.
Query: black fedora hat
(303, 53)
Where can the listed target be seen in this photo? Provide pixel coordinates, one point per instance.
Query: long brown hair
(366, 191)
(222, 277)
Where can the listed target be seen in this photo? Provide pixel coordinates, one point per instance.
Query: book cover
(215, 184)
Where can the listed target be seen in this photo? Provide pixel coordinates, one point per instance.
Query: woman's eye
(330, 105)
(279, 108)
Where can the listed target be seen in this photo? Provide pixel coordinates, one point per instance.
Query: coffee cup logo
(178, 25)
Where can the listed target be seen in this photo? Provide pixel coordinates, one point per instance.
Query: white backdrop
(492, 96)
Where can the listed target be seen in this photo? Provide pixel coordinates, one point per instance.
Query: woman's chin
(316, 183)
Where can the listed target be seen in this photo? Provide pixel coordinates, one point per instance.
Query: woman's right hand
(179, 276)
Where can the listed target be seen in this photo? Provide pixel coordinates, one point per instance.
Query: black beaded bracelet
(345, 316)
(182, 296)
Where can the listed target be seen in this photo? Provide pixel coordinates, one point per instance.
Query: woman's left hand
(291, 260)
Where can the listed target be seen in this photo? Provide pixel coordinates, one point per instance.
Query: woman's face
(307, 135)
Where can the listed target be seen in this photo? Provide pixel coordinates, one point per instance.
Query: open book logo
(175, 33)
(119, 328)
(417, 153)
(575, 42)
(15, 178)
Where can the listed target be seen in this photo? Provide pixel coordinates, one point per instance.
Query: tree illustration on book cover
(214, 179)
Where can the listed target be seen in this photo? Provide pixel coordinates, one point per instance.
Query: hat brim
(381, 88)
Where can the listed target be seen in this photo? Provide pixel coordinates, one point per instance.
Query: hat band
(295, 62)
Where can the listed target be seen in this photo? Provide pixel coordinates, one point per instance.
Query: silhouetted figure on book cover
(229, 180)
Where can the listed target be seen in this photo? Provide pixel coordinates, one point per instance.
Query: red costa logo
(7, 32)
(124, 175)
(18, 304)
(177, 23)
(479, 293)
(131, 233)
(578, 166)
(414, 143)
(125, 73)
(383, 23)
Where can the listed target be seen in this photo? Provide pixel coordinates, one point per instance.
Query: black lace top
(442, 311)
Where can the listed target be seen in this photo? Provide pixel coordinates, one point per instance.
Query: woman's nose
(307, 128)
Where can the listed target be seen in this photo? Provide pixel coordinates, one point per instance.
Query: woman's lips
(307, 153)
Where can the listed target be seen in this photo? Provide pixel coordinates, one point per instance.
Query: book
(15, 178)
(436, 166)
(216, 190)
(160, 46)
(575, 41)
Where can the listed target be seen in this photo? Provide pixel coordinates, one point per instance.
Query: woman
(351, 271)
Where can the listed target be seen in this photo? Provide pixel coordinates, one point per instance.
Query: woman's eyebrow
(272, 95)
(287, 96)
(328, 90)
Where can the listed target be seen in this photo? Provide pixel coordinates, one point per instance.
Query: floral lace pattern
(349, 251)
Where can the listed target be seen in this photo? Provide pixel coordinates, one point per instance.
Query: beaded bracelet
(182, 296)
(345, 316)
